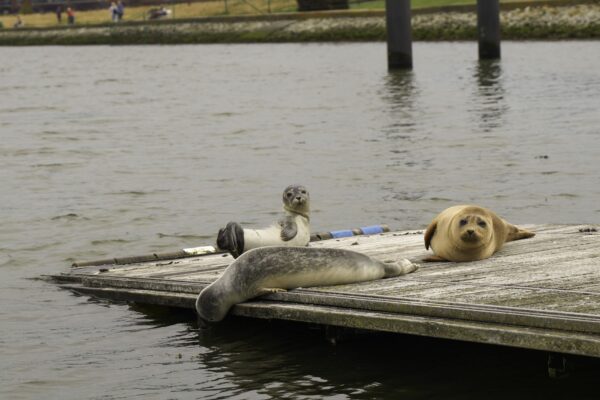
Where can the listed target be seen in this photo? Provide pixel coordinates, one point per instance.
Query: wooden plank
(507, 335)
(331, 297)
(498, 334)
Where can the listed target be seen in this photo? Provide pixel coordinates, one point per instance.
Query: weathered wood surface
(541, 293)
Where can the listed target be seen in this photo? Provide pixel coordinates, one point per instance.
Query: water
(115, 151)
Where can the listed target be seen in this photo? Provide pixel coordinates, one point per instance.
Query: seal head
(473, 228)
(211, 305)
(296, 200)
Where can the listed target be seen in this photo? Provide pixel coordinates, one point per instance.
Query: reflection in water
(274, 360)
(489, 99)
(399, 93)
(401, 133)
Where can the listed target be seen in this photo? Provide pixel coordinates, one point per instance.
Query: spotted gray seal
(469, 233)
(293, 229)
(273, 269)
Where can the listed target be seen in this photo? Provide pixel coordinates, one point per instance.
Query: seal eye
(482, 224)
(463, 222)
(289, 194)
(303, 192)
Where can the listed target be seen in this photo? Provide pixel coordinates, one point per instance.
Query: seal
(293, 229)
(469, 233)
(275, 269)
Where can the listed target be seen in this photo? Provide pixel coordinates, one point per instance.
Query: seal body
(272, 269)
(469, 233)
(293, 229)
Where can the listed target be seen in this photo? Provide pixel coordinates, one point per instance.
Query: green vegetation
(211, 9)
(166, 34)
(179, 11)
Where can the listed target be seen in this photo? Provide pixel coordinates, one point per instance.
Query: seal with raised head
(293, 229)
(469, 233)
(274, 269)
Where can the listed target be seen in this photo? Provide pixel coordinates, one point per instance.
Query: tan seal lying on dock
(292, 230)
(274, 269)
(469, 233)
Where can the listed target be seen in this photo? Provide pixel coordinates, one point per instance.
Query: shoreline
(542, 22)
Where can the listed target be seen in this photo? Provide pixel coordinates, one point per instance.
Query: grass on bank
(415, 4)
(206, 9)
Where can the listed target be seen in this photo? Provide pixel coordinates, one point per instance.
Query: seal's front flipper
(288, 228)
(429, 233)
(434, 259)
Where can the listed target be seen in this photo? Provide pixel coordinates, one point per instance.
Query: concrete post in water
(399, 35)
(488, 28)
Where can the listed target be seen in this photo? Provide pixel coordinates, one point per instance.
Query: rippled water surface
(110, 151)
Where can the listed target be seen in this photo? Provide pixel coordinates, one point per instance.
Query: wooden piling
(488, 29)
(399, 34)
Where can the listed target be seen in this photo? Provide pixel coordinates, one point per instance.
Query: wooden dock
(541, 293)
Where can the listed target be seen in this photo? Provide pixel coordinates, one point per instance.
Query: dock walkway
(541, 293)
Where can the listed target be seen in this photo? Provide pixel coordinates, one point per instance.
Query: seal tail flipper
(398, 267)
(516, 233)
(407, 266)
(231, 238)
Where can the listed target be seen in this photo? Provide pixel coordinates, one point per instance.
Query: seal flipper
(516, 233)
(289, 229)
(429, 233)
(401, 266)
(231, 238)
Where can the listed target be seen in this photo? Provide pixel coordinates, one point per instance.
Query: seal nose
(299, 198)
(470, 232)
